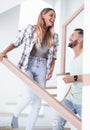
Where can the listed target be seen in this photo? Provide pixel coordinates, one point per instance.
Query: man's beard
(73, 44)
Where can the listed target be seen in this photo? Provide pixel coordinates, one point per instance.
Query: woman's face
(49, 18)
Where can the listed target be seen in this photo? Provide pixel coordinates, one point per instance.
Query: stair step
(7, 114)
(51, 87)
(38, 128)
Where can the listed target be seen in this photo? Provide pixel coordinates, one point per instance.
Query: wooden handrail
(59, 107)
(77, 12)
(86, 79)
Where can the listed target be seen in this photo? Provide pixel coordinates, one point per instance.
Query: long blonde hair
(42, 33)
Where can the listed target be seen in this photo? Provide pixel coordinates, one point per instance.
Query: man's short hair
(80, 31)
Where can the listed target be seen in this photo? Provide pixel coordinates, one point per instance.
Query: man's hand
(68, 79)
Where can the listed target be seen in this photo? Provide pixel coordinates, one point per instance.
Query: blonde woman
(37, 60)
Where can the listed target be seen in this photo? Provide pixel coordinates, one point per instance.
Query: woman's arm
(4, 53)
(50, 72)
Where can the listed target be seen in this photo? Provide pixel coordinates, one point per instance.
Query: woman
(37, 60)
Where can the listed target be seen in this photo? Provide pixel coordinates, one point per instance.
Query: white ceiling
(8, 4)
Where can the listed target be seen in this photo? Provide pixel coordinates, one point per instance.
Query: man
(74, 99)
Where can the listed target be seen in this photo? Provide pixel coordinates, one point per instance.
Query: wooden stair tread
(52, 87)
(37, 128)
(6, 114)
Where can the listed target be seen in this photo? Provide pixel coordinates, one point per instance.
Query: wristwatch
(75, 77)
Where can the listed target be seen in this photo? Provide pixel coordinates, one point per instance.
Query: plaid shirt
(28, 38)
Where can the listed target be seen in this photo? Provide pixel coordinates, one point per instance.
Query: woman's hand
(2, 55)
(49, 75)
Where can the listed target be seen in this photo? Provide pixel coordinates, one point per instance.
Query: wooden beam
(77, 12)
(86, 79)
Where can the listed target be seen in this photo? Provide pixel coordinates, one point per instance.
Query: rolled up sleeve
(55, 43)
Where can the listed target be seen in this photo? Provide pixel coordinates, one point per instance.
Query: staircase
(43, 123)
(51, 101)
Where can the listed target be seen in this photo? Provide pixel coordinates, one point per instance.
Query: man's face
(74, 39)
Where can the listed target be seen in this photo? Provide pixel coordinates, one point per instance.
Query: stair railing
(59, 107)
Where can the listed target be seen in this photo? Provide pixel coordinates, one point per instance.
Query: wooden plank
(51, 87)
(8, 114)
(36, 128)
(86, 79)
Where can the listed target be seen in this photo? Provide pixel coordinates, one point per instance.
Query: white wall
(9, 21)
(8, 4)
(70, 7)
(8, 26)
(29, 11)
(8, 30)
